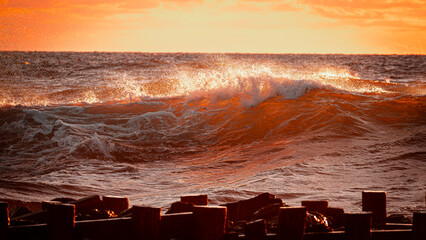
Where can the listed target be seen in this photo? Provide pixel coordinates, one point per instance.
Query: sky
(246, 26)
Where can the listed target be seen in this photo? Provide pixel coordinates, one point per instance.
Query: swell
(251, 90)
(160, 125)
(14, 189)
(123, 81)
(166, 129)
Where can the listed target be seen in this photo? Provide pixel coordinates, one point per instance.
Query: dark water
(156, 126)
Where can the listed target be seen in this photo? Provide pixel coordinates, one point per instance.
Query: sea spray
(158, 126)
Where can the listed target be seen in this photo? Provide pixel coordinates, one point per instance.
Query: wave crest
(252, 82)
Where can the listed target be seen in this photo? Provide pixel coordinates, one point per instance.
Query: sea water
(155, 126)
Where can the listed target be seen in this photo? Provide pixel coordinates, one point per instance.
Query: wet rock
(398, 218)
(255, 230)
(335, 216)
(114, 203)
(126, 213)
(270, 213)
(243, 210)
(96, 214)
(30, 218)
(19, 211)
(316, 222)
(87, 204)
(320, 206)
(197, 199)
(263, 207)
(179, 207)
(64, 200)
(22, 222)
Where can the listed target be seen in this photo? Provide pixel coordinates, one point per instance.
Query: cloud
(286, 7)
(117, 5)
(391, 26)
(383, 13)
(364, 4)
(43, 23)
(263, 6)
(109, 24)
(365, 13)
(26, 4)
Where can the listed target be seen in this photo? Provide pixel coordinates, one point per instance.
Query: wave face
(157, 126)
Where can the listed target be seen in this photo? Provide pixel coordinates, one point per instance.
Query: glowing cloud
(275, 26)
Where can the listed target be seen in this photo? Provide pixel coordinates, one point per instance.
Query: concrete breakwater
(192, 218)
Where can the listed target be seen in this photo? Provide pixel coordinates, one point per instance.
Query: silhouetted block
(30, 218)
(244, 209)
(269, 213)
(19, 211)
(146, 222)
(103, 229)
(4, 219)
(179, 207)
(179, 226)
(333, 212)
(45, 204)
(196, 200)
(375, 201)
(336, 215)
(60, 221)
(37, 217)
(231, 236)
(317, 222)
(317, 206)
(419, 225)
(26, 232)
(63, 199)
(209, 222)
(291, 223)
(358, 225)
(86, 204)
(255, 230)
(116, 204)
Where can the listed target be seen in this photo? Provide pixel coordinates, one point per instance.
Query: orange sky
(255, 26)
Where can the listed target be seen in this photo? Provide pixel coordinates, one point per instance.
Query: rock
(96, 214)
(335, 216)
(316, 222)
(19, 211)
(269, 212)
(179, 207)
(255, 230)
(320, 206)
(116, 204)
(244, 209)
(87, 204)
(30, 218)
(126, 213)
(398, 218)
(64, 200)
(197, 200)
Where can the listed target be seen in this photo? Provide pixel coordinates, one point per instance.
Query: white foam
(156, 120)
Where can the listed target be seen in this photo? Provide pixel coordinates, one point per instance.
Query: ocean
(155, 126)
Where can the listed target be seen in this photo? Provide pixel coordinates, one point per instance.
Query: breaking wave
(158, 125)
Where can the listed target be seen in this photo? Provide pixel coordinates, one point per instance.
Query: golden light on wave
(254, 80)
(89, 97)
(344, 80)
(252, 83)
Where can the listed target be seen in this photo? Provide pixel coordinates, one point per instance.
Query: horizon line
(206, 52)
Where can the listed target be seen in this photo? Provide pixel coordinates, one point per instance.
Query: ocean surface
(153, 127)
